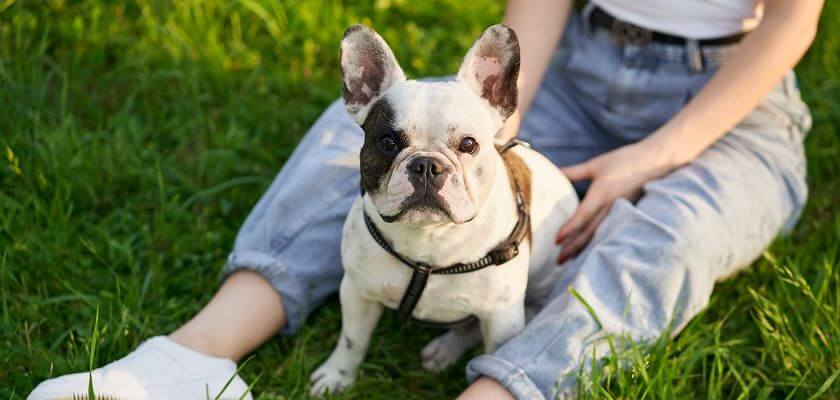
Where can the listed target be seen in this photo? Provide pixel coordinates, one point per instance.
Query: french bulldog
(438, 191)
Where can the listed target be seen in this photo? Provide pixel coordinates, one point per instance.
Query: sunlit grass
(136, 136)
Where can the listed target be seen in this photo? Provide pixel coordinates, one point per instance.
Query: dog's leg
(500, 325)
(359, 317)
(446, 349)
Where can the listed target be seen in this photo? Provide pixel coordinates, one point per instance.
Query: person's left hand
(620, 173)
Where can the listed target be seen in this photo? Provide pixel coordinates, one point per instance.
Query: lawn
(136, 135)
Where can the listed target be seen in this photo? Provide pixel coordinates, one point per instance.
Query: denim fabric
(651, 264)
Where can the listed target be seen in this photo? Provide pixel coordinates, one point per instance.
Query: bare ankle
(200, 342)
(244, 313)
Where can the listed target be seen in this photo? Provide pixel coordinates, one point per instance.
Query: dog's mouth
(429, 206)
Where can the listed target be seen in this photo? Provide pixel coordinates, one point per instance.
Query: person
(681, 121)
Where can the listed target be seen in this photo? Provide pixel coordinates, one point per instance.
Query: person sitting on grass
(681, 124)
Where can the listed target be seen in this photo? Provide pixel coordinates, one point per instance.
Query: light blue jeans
(651, 265)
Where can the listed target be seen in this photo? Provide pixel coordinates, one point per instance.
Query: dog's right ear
(368, 69)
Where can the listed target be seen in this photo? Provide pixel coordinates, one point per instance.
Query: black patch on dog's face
(375, 163)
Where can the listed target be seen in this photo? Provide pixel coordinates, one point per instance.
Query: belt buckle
(627, 33)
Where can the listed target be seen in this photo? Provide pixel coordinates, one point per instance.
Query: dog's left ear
(491, 68)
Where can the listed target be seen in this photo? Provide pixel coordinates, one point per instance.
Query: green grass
(136, 135)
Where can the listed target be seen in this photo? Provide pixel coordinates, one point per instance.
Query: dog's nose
(427, 171)
(427, 166)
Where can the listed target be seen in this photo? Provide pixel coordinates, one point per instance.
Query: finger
(578, 220)
(579, 241)
(576, 243)
(588, 207)
(578, 172)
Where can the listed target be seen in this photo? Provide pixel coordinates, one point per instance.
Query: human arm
(538, 24)
(760, 61)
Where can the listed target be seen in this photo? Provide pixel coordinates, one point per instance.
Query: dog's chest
(379, 276)
(446, 297)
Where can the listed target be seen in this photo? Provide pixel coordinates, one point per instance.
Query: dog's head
(428, 154)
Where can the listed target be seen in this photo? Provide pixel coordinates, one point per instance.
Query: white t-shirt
(695, 19)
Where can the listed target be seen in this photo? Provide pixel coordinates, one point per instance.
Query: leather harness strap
(500, 254)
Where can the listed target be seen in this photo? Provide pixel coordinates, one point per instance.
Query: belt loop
(586, 17)
(694, 55)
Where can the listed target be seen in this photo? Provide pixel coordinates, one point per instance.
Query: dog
(450, 226)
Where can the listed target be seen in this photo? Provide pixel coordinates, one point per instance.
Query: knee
(664, 240)
(655, 272)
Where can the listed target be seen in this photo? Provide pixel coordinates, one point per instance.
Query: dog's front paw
(329, 378)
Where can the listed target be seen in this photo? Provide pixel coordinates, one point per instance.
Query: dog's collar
(499, 255)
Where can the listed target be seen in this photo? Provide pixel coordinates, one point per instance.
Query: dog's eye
(468, 145)
(387, 143)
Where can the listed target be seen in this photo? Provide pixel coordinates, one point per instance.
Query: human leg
(245, 300)
(652, 265)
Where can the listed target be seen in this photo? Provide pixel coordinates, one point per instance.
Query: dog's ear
(491, 68)
(368, 69)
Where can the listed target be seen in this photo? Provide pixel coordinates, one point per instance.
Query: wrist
(671, 147)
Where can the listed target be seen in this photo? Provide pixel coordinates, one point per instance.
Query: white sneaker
(159, 369)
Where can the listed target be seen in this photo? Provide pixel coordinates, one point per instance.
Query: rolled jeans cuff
(513, 378)
(278, 276)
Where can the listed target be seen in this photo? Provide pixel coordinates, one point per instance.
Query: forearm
(758, 64)
(539, 24)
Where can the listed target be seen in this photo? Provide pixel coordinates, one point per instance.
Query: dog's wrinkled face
(428, 155)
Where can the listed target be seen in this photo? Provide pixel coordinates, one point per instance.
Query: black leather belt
(504, 252)
(628, 33)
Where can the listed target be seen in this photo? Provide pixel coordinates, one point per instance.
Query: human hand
(621, 173)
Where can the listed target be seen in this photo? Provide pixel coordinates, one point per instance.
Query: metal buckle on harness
(627, 33)
(500, 256)
(424, 268)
